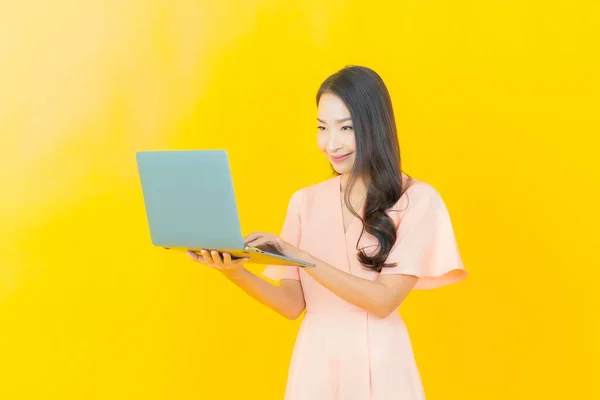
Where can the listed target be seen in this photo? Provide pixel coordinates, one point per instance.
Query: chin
(342, 170)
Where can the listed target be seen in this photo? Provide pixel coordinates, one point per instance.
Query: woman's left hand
(273, 243)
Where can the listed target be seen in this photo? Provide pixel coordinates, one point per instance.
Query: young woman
(374, 234)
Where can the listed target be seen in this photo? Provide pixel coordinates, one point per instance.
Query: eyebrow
(338, 121)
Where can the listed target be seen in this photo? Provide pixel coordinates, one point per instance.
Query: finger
(192, 255)
(206, 258)
(195, 256)
(241, 261)
(259, 241)
(253, 236)
(227, 261)
(216, 257)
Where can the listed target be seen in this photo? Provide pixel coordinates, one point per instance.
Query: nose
(333, 144)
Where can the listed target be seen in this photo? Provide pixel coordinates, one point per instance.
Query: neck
(359, 189)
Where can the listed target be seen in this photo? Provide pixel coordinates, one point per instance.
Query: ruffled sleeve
(290, 232)
(425, 243)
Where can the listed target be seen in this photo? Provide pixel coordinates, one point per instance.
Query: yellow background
(497, 105)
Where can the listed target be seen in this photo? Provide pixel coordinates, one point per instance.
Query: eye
(321, 128)
(347, 128)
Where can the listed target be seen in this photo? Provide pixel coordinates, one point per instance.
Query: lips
(340, 157)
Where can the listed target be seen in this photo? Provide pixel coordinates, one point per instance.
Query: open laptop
(190, 205)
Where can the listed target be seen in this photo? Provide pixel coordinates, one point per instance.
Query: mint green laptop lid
(189, 199)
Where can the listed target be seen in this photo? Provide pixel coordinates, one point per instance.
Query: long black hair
(377, 160)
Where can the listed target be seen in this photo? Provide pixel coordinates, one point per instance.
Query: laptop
(190, 204)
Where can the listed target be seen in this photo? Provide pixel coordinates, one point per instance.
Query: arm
(425, 248)
(287, 299)
(380, 297)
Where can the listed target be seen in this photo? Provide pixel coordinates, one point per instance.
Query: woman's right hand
(223, 264)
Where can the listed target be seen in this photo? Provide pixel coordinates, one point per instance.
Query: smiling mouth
(339, 158)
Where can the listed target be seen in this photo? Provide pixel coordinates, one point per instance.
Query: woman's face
(336, 133)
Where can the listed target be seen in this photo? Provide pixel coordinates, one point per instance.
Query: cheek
(350, 141)
(322, 140)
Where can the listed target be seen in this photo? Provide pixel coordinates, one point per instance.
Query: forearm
(372, 296)
(365, 294)
(286, 303)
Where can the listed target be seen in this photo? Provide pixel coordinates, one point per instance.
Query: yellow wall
(497, 105)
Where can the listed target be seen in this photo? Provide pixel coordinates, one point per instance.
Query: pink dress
(342, 352)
